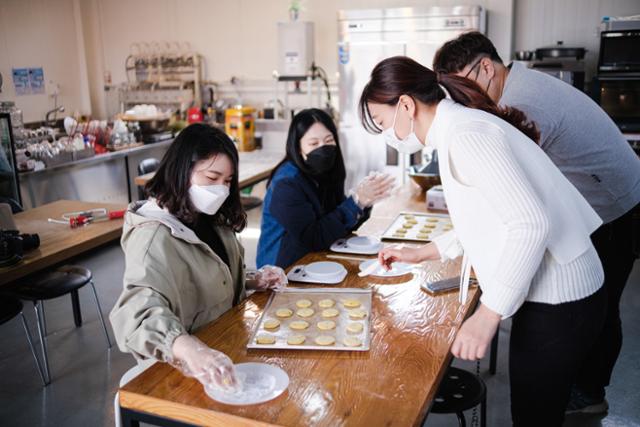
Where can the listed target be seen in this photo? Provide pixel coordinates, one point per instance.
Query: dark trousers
(615, 245)
(548, 346)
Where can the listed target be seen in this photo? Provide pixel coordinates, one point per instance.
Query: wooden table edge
(184, 413)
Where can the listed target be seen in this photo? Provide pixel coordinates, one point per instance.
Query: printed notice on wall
(21, 81)
(28, 81)
(36, 80)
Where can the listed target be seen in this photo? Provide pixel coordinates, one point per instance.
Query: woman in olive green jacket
(184, 265)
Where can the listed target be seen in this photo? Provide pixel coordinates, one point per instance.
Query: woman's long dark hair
(401, 75)
(331, 183)
(171, 182)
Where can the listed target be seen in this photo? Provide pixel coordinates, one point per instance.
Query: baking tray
(441, 224)
(288, 297)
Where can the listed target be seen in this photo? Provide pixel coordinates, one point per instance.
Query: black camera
(13, 245)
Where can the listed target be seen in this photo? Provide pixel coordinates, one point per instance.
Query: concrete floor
(85, 375)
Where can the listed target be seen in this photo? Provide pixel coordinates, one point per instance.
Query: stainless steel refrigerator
(365, 37)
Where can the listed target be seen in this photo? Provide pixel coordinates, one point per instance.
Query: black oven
(619, 52)
(619, 96)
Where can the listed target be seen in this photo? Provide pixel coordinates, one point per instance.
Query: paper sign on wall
(27, 81)
(36, 80)
(21, 81)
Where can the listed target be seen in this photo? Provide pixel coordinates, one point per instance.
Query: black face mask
(322, 159)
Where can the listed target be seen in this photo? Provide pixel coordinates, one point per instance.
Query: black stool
(10, 308)
(461, 390)
(53, 284)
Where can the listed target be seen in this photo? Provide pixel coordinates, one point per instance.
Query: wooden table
(255, 166)
(393, 384)
(59, 242)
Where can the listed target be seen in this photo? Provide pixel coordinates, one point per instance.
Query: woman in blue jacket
(305, 208)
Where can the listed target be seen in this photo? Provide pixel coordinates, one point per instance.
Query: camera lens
(30, 241)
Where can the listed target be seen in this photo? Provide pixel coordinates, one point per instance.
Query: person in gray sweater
(589, 149)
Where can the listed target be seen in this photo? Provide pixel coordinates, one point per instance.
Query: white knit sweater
(524, 227)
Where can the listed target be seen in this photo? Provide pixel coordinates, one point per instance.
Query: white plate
(259, 382)
(398, 269)
(363, 245)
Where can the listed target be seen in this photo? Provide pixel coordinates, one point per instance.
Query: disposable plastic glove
(267, 277)
(373, 188)
(195, 359)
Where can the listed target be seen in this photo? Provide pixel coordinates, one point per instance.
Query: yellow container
(239, 124)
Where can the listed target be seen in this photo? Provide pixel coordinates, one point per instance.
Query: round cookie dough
(296, 339)
(407, 226)
(299, 325)
(429, 226)
(358, 313)
(284, 313)
(354, 328)
(432, 219)
(423, 236)
(352, 341)
(399, 236)
(351, 303)
(271, 324)
(265, 339)
(409, 216)
(326, 303)
(325, 340)
(401, 231)
(303, 303)
(330, 312)
(326, 325)
(305, 312)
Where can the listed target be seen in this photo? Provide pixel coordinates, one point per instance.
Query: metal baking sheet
(441, 222)
(288, 297)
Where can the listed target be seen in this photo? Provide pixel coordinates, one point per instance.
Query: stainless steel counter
(103, 178)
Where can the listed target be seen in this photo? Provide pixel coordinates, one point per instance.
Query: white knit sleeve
(481, 158)
(448, 245)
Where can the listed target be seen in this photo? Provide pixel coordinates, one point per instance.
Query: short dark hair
(456, 54)
(331, 183)
(171, 182)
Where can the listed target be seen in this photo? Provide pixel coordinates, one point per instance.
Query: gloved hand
(373, 188)
(267, 277)
(195, 359)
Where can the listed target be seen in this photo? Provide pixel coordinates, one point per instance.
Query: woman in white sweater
(517, 221)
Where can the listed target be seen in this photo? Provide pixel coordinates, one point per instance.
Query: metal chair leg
(483, 411)
(493, 358)
(462, 422)
(33, 350)
(75, 304)
(104, 326)
(44, 320)
(43, 339)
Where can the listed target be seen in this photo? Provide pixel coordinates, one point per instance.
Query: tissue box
(435, 199)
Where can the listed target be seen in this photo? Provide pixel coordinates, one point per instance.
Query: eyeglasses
(474, 66)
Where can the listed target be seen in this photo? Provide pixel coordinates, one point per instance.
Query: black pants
(548, 345)
(615, 245)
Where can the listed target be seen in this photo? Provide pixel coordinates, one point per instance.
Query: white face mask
(208, 198)
(409, 145)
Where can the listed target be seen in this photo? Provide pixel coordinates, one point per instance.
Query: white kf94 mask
(409, 145)
(208, 198)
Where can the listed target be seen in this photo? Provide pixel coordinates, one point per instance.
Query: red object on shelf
(194, 115)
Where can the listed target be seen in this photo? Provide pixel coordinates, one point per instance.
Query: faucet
(55, 111)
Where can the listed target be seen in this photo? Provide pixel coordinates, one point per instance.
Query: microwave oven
(619, 52)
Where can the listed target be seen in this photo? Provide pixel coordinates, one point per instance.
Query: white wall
(43, 33)
(239, 38)
(76, 41)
